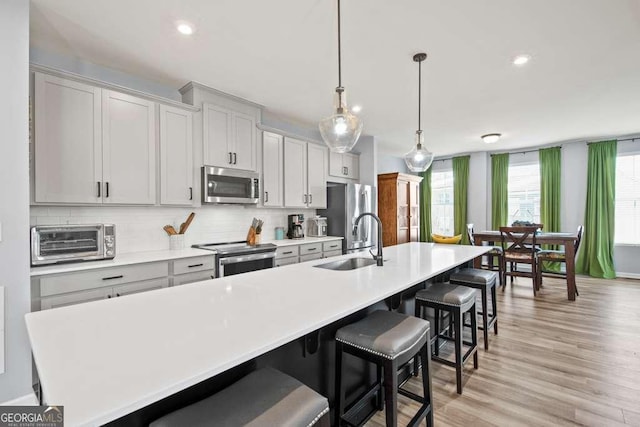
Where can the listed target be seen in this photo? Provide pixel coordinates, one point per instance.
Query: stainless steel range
(238, 257)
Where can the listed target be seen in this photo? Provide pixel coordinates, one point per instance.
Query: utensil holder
(176, 241)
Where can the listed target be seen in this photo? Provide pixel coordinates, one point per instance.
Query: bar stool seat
(485, 281)
(456, 300)
(389, 340)
(265, 397)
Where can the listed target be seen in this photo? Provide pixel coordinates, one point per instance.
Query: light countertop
(119, 260)
(291, 242)
(108, 358)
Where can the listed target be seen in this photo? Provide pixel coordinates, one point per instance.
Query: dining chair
(557, 256)
(518, 250)
(495, 252)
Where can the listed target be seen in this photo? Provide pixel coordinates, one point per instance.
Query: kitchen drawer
(310, 248)
(328, 254)
(190, 265)
(85, 280)
(286, 261)
(332, 246)
(311, 257)
(196, 276)
(75, 298)
(136, 288)
(287, 251)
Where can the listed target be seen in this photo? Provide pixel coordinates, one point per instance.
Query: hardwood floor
(554, 362)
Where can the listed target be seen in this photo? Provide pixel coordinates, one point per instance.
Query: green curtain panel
(550, 168)
(460, 186)
(425, 207)
(596, 256)
(499, 190)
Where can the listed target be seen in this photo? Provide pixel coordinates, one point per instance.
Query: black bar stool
(456, 300)
(390, 340)
(485, 281)
(265, 397)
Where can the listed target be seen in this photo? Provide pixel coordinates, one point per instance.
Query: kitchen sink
(347, 264)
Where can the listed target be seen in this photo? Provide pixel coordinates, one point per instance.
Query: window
(442, 202)
(627, 223)
(524, 193)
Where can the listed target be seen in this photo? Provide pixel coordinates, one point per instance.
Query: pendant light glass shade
(419, 158)
(341, 130)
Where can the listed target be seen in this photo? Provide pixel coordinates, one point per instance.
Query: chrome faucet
(377, 257)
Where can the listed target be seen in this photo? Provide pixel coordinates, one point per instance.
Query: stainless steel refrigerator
(345, 202)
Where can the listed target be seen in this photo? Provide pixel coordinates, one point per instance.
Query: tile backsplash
(139, 228)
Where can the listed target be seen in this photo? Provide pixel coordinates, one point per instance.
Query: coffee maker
(295, 229)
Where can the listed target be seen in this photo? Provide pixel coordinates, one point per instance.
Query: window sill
(632, 245)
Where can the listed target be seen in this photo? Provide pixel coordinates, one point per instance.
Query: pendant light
(419, 158)
(341, 130)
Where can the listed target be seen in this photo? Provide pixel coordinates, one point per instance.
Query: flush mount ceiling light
(419, 158)
(341, 130)
(491, 138)
(184, 28)
(521, 60)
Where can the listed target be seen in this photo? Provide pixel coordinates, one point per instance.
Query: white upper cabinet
(68, 141)
(295, 173)
(176, 156)
(128, 149)
(272, 170)
(317, 176)
(345, 165)
(229, 138)
(92, 145)
(305, 177)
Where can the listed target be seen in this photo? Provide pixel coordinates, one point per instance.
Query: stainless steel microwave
(223, 185)
(53, 244)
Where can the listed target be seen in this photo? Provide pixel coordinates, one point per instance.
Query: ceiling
(583, 80)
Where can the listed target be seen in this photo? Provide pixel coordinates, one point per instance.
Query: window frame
(623, 153)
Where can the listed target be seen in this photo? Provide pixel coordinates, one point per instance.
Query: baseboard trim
(628, 275)
(26, 400)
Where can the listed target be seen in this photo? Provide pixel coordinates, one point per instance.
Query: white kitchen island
(108, 358)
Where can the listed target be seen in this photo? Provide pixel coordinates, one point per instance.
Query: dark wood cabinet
(399, 207)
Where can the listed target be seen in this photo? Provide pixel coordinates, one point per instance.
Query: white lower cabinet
(196, 276)
(74, 298)
(61, 290)
(293, 254)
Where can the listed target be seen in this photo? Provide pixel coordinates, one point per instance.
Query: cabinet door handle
(333, 246)
(235, 158)
(230, 158)
(304, 198)
(99, 186)
(310, 198)
(287, 253)
(118, 295)
(108, 296)
(113, 277)
(266, 196)
(347, 169)
(196, 265)
(312, 249)
(190, 193)
(106, 189)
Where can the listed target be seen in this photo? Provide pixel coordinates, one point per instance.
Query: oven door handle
(245, 258)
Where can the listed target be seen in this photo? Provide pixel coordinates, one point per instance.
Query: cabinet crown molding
(195, 85)
(111, 86)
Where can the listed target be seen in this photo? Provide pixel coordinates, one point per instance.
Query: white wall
(479, 189)
(14, 195)
(389, 164)
(140, 228)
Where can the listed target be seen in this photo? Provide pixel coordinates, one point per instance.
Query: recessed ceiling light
(520, 60)
(491, 138)
(185, 29)
(356, 108)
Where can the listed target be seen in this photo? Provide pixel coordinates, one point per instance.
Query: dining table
(566, 239)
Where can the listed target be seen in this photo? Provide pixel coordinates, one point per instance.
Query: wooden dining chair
(519, 245)
(496, 252)
(557, 256)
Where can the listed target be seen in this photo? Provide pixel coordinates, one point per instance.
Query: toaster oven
(53, 244)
